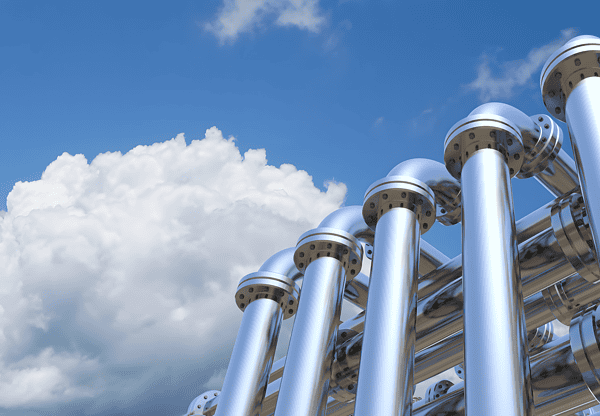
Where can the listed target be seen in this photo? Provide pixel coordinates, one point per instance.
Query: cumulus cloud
(239, 16)
(513, 74)
(119, 274)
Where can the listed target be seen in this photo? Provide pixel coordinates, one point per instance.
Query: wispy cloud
(378, 122)
(336, 36)
(239, 16)
(515, 73)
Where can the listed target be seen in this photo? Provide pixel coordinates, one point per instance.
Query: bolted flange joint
(437, 389)
(329, 242)
(583, 336)
(575, 61)
(268, 285)
(539, 337)
(201, 403)
(394, 192)
(571, 227)
(541, 151)
(483, 131)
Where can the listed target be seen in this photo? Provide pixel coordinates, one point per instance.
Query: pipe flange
(483, 131)
(575, 61)
(571, 228)
(400, 192)
(344, 371)
(268, 285)
(438, 389)
(200, 403)
(558, 302)
(460, 371)
(583, 337)
(329, 242)
(540, 153)
(540, 337)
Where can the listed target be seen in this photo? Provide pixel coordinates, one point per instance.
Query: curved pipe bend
(445, 187)
(526, 125)
(282, 263)
(349, 219)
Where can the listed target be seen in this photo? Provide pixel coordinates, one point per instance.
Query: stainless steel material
(437, 390)
(436, 177)
(389, 335)
(492, 292)
(570, 84)
(305, 380)
(535, 222)
(539, 337)
(486, 150)
(198, 405)
(246, 379)
(325, 255)
(431, 258)
(265, 297)
(400, 208)
(542, 141)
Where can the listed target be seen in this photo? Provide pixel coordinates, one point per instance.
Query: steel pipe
(265, 297)
(326, 256)
(544, 158)
(486, 150)
(570, 84)
(400, 208)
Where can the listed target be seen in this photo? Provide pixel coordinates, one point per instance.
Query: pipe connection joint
(483, 131)
(583, 337)
(575, 61)
(400, 192)
(201, 403)
(540, 151)
(268, 285)
(571, 227)
(329, 242)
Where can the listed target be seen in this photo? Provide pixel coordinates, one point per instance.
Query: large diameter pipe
(485, 150)
(570, 84)
(398, 207)
(389, 334)
(325, 255)
(265, 297)
(544, 158)
(493, 295)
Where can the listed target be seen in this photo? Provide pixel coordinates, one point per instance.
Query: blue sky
(342, 89)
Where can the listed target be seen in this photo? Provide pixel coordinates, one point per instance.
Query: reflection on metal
(420, 315)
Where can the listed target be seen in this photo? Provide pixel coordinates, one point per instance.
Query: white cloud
(515, 73)
(378, 122)
(118, 271)
(239, 16)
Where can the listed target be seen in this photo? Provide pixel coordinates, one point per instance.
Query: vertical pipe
(570, 84)
(485, 151)
(385, 381)
(492, 292)
(583, 118)
(266, 298)
(245, 382)
(325, 255)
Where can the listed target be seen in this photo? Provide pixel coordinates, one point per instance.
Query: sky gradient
(154, 154)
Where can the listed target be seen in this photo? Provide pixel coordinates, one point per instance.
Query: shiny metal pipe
(265, 297)
(570, 84)
(246, 380)
(305, 380)
(583, 118)
(400, 208)
(389, 334)
(492, 292)
(542, 140)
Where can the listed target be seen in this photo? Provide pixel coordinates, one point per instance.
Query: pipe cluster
(486, 313)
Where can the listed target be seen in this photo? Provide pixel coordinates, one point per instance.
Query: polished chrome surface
(583, 118)
(248, 372)
(445, 188)
(492, 292)
(305, 380)
(389, 334)
(565, 69)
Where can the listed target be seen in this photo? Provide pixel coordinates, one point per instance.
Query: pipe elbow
(350, 219)
(542, 137)
(282, 263)
(444, 186)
